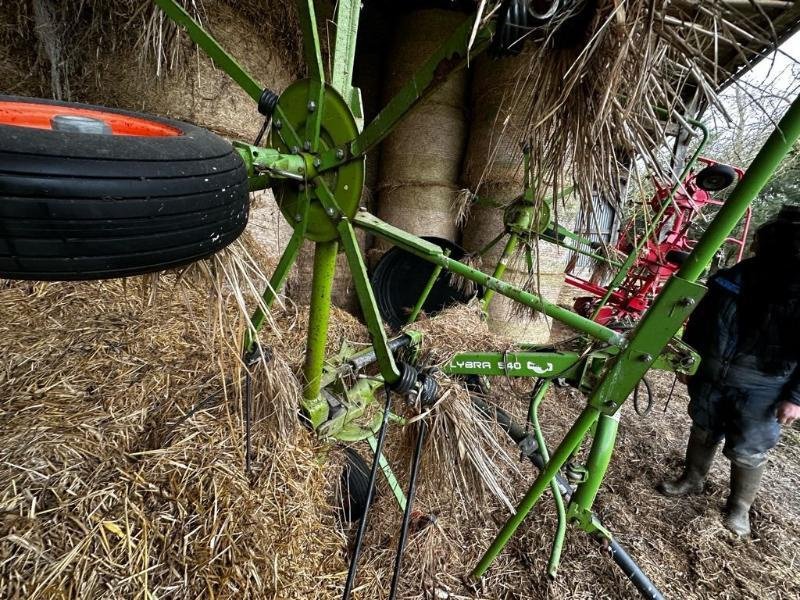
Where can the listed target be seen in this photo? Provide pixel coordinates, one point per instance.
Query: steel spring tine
(412, 489)
(362, 527)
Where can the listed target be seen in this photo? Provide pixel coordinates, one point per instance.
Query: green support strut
(605, 436)
(561, 529)
(318, 317)
(561, 455)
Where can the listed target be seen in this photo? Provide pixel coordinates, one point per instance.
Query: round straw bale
(424, 210)
(426, 148)
(421, 159)
(494, 152)
(493, 169)
(417, 36)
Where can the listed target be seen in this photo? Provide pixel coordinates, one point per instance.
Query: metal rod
(565, 449)
(434, 254)
(605, 436)
(412, 489)
(347, 17)
(210, 46)
(451, 56)
(276, 282)
(500, 267)
(248, 420)
(561, 528)
(388, 474)
(318, 316)
(362, 526)
(633, 571)
(367, 302)
(758, 174)
(621, 558)
(426, 291)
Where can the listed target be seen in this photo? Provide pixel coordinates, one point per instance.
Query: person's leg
(704, 438)
(753, 432)
(700, 452)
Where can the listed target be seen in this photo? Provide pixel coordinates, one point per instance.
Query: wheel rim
(33, 115)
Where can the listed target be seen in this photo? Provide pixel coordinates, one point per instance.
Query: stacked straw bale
(493, 168)
(420, 160)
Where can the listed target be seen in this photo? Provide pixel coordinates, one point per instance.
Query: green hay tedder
(314, 161)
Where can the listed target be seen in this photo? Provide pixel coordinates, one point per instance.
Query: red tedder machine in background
(658, 250)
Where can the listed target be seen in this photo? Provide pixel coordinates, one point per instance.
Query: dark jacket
(733, 357)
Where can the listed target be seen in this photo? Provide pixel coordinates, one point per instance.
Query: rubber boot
(745, 483)
(699, 456)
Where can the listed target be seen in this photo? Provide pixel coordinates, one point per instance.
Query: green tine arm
(224, 61)
(366, 298)
(451, 56)
(316, 74)
(347, 17)
(565, 449)
(311, 48)
(434, 254)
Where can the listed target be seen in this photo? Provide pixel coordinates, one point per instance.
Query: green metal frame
(610, 367)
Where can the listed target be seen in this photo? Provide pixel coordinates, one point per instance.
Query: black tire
(77, 206)
(354, 486)
(715, 178)
(400, 277)
(677, 257)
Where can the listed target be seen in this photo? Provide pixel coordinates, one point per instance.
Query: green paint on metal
(605, 436)
(658, 326)
(268, 161)
(315, 110)
(342, 187)
(500, 268)
(347, 17)
(561, 528)
(555, 235)
(366, 299)
(311, 48)
(386, 469)
(560, 456)
(758, 174)
(319, 313)
(450, 57)
(433, 253)
(426, 291)
(545, 365)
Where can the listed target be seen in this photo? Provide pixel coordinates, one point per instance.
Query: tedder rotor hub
(524, 218)
(346, 181)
